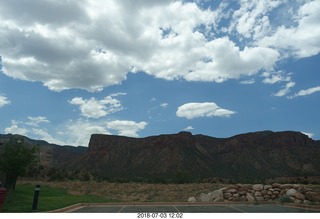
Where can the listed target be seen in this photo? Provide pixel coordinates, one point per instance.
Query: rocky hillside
(185, 157)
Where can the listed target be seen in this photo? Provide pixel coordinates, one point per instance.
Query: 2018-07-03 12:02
(159, 215)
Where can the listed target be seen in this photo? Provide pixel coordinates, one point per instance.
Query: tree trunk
(11, 181)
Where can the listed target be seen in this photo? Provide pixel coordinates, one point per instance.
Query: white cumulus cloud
(94, 44)
(93, 108)
(127, 128)
(301, 40)
(206, 109)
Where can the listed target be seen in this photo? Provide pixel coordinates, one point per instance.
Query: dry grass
(133, 192)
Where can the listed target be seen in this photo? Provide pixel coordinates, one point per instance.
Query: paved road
(221, 208)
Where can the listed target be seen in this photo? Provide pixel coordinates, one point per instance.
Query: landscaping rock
(257, 187)
(227, 195)
(231, 191)
(192, 199)
(205, 197)
(239, 199)
(216, 194)
(300, 196)
(219, 199)
(312, 196)
(275, 185)
(249, 198)
(291, 192)
(286, 186)
(257, 193)
(242, 191)
(260, 192)
(266, 187)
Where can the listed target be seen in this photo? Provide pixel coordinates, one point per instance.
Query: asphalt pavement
(190, 208)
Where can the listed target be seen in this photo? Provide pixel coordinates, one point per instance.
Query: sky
(138, 68)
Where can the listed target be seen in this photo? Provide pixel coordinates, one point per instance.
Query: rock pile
(259, 192)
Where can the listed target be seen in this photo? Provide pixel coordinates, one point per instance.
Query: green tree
(16, 159)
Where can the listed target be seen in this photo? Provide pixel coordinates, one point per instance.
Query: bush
(285, 199)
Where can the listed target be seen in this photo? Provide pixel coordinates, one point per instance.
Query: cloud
(27, 129)
(43, 134)
(189, 128)
(251, 20)
(285, 90)
(301, 40)
(127, 128)
(79, 132)
(275, 77)
(306, 92)
(310, 135)
(4, 101)
(164, 105)
(90, 48)
(249, 81)
(35, 121)
(92, 108)
(207, 109)
(15, 128)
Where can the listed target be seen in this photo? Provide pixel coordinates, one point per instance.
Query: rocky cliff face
(252, 155)
(183, 156)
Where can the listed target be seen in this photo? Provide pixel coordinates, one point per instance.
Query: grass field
(55, 195)
(50, 198)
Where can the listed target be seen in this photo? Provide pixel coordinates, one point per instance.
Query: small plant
(285, 199)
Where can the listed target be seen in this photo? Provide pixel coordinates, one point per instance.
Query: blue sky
(141, 68)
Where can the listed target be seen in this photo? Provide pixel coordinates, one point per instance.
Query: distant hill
(185, 157)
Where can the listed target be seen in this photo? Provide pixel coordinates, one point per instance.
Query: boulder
(313, 196)
(219, 199)
(247, 186)
(275, 185)
(239, 199)
(257, 193)
(231, 191)
(205, 197)
(257, 187)
(242, 191)
(264, 192)
(227, 195)
(300, 196)
(192, 199)
(286, 186)
(266, 187)
(291, 192)
(216, 194)
(302, 190)
(249, 198)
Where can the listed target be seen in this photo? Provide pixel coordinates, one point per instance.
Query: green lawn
(21, 199)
